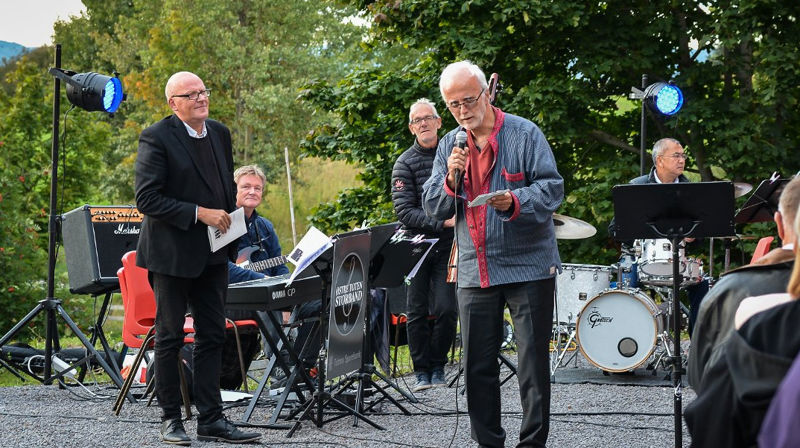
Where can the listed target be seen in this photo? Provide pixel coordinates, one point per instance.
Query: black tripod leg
(355, 412)
(510, 366)
(77, 332)
(394, 386)
(25, 321)
(387, 396)
(11, 369)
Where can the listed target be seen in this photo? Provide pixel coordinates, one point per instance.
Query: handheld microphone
(461, 140)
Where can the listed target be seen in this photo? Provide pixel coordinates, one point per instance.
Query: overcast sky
(30, 22)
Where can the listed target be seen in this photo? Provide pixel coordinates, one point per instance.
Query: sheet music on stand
(313, 244)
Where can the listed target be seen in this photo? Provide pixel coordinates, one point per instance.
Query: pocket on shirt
(512, 177)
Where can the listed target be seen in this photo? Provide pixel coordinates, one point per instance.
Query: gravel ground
(583, 415)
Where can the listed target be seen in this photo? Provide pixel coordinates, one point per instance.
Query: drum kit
(616, 325)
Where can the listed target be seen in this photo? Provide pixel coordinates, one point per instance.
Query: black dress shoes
(222, 430)
(172, 432)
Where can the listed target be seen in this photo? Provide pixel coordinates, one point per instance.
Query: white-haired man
(507, 248)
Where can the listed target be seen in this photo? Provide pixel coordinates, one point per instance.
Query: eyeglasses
(469, 102)
(676, 156)
(426, 119)
(194, 96)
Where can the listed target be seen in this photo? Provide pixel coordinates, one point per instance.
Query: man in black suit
(184, 183)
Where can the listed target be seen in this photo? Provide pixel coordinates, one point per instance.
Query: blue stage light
(664, 98)
(93, 91)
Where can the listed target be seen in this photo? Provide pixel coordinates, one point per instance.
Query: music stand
(763, 202)
(674, 211)
(405, 251)
(323, 265)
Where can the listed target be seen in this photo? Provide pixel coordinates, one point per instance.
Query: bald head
(177, 80)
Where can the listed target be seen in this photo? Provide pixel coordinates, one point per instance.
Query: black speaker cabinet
(95, 238)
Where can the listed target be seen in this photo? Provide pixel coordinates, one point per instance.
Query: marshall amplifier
(95, 238)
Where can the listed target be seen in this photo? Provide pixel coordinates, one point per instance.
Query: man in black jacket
(770, 274)
(184, 183)
(429, 294)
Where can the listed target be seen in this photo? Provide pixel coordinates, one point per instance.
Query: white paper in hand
(481, 199)
(218, 240)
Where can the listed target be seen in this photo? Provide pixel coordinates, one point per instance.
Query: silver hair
(251, 170)
(449, 73)
(661, 145)
(426, 102)
(168, 89)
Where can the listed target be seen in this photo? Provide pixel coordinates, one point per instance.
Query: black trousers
(205, 297)
(531, 307)
(430, 295)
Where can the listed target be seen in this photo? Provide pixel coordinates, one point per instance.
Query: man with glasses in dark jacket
(428, 294)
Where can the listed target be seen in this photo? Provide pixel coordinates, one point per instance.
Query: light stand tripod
(674, 211)
(50, 305)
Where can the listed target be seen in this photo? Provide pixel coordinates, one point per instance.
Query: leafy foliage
(568, 66)
(253, 54)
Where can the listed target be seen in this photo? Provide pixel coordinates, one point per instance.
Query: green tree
(568, 66)
(254, 54)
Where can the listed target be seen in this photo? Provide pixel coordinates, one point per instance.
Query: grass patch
(314, 182)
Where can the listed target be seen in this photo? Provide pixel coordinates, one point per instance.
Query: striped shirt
(518, 245)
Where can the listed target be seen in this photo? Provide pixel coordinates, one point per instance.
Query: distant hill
(10, 49)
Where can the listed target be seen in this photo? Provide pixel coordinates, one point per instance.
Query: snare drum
(655, 264)
(656, 258)
(576, 284)
(617, 329)
(693, 274)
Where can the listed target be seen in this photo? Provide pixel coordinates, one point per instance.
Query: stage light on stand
(664, 99)
(92, 91)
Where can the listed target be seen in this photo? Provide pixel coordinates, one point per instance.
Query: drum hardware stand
(558, 331)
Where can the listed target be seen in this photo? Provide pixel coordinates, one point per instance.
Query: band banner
(349, 290)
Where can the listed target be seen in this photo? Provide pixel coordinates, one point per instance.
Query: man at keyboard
(260, 256)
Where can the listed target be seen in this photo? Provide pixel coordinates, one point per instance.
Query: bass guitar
(243, 260)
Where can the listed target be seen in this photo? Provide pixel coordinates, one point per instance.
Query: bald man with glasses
(669, 162)
(184, 184)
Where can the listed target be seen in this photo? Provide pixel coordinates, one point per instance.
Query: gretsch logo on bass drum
(595, 318)
(124, 229)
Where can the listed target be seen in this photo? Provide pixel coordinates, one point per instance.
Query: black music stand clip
(674, 211)
(763, 202)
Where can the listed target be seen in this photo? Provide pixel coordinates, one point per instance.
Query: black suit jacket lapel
(222, 164)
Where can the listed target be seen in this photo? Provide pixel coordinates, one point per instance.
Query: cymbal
(741, 189)
(572, 228)
(737, 237)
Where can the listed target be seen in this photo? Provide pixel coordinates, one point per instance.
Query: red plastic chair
(138, 325)
(762, 248)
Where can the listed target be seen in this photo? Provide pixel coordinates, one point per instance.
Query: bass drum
(617, 329)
